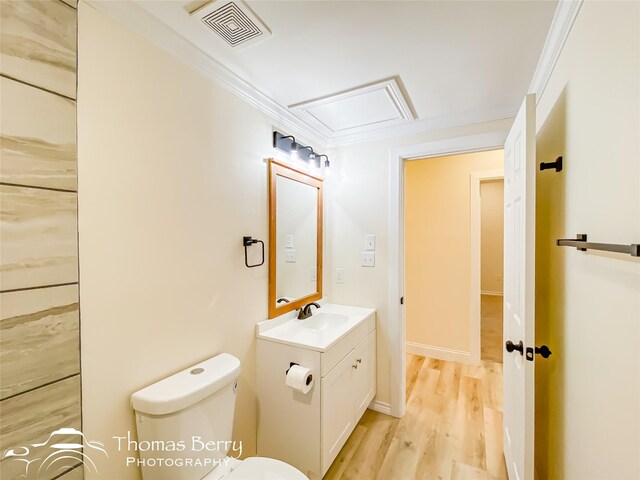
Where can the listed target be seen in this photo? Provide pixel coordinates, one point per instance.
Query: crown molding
(137, 19)
(565, 15)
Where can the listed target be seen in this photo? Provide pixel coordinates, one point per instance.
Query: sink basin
(324, 321)
(320, 331)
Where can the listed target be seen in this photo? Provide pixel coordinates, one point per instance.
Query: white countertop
(290, 331)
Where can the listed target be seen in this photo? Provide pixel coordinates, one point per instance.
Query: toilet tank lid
(187, 387)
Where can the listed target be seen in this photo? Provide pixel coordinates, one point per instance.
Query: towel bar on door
(581, 244)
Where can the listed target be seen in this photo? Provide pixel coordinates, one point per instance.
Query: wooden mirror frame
(277, 169)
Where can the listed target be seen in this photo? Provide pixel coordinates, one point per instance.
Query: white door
(519, 291)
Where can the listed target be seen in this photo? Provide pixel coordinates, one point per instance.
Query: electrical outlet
(339, 275)
(369, 242)
(290, 256)
(368, 259)
(314, 274)
(288, 241)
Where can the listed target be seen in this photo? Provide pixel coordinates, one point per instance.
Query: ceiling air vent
(234, 22)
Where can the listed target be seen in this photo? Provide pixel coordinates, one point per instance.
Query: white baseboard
(488, 292)
(380, 407)
(438, 352)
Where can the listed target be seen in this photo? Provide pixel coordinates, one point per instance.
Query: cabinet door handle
(359, 360)
(355, 365)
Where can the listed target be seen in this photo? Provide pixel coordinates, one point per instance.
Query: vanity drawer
(333, 356)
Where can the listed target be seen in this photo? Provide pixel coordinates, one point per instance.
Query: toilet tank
(185, 421)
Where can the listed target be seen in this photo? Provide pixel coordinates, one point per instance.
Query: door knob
(510, 346)
(543, 351)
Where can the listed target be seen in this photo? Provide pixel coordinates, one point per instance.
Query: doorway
(444, 219)
(491, 268)
(398, 157)
(445, 255)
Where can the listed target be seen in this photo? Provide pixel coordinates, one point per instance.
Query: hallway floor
(491, 328)
(452, 428)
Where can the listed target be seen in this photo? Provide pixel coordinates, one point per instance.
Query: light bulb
(327, 168)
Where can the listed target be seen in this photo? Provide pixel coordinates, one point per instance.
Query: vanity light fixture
(314, 160)
(327, 164)
(288, 144)
(312, 154)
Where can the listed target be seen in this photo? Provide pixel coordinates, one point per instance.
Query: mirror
(295, 238)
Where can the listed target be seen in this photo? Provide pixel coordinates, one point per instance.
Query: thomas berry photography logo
(64, 449)
(192, 452)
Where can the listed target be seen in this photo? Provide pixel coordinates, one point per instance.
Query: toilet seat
(262, 468)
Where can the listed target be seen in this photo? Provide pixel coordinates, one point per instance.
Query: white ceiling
(455, 62)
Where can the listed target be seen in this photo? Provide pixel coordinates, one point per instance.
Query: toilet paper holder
(291, 364)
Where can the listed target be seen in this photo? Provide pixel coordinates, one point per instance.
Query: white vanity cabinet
(308, 431)
(346, 392)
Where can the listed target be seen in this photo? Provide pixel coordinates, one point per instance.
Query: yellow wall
(588, 304)
(491, 235)
(437, 247)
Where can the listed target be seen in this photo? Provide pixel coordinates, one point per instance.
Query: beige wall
(588, 304)
(491, 235)
(171, 176)
(358, 193)
(437, 247)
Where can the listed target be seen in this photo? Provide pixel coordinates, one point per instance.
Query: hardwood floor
(491, 328)
(452, 429)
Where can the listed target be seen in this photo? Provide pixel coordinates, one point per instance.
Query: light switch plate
(339, 275)
(288, 241)
(290, 256)
(369, 242)
(314, 274)
(368, 259)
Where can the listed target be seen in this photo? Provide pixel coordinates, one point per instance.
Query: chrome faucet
(305, 312)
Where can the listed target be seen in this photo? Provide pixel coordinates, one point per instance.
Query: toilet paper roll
(300, 379)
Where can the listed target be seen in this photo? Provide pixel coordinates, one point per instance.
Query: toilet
(184, 426)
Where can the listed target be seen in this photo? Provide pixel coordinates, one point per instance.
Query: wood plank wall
(39, 311)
